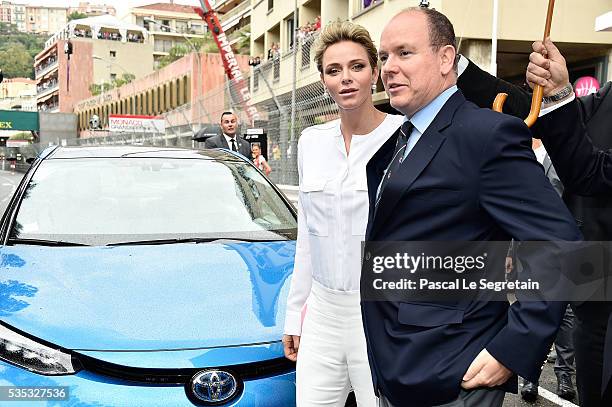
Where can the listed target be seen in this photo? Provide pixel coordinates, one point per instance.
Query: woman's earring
(325, 94)
(374, 87)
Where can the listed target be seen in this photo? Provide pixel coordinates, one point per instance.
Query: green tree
(16, 61)
(6, 29)
(205, 44)
(75, 15)
(95, 89)
(243, 46)
(12, 46)
(125, 79)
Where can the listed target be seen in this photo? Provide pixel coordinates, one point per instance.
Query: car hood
(180, 296)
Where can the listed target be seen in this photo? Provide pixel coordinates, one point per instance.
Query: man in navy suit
(454, 172)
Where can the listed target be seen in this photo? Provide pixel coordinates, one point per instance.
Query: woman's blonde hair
(338, 31)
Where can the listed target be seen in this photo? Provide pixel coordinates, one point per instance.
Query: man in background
(228, 138)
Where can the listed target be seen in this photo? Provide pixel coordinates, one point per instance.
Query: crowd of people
(83, 33)
(309, 29)
(110, 35)
(48, 106)
(50, 61)
(254, 61)
(133, 37)
(305, 33)
(46, 85)
(107, 35)
(274, 50)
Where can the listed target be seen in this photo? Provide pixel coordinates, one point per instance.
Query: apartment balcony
(43, 92)
(233, 17)
(225, 6)
(48, 104)
(48, 68)
(179, 33)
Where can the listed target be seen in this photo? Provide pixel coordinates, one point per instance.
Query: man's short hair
(226, 113)
(441, 31)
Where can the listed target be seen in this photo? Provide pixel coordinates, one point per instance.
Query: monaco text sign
(136, 124)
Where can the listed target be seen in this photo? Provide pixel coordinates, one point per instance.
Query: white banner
(136, 124)
(17, 143)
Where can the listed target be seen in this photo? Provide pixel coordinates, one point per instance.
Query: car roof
(141, 152)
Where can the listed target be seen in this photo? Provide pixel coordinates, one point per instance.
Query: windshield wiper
(187, 240)
(43, 242)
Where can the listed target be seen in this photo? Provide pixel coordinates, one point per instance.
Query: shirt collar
(228, 138)
(423, 118)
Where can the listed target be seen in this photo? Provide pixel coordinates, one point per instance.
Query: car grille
(247, 371)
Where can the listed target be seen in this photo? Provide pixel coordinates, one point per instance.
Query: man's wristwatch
(562, 94)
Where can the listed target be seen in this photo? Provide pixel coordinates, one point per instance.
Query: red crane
(232, 69)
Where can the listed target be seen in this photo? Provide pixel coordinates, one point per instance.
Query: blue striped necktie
(398, 155)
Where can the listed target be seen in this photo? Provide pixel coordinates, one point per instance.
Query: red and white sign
(17, 143)
(586, 85)
(136, 124)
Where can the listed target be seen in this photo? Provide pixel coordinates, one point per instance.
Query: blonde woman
(326, 338)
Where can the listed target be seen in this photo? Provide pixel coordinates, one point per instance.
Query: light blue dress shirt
(421, 121)
(423, 118)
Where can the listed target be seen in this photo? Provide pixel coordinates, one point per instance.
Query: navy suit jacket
(472, 176)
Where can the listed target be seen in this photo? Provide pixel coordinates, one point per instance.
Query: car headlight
(33, 356)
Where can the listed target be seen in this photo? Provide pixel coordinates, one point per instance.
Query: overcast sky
(122, 6)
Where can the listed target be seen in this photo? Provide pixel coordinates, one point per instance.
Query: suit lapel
(374, 170)
(223, 142)
(420, 156)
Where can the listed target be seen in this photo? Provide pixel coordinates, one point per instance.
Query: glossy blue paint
(86, 389)
(148, 297)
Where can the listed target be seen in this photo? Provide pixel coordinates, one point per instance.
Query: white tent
(604, 22)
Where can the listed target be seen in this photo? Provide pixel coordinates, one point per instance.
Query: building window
(365, 4)
(270, 5)
(291, 32)
(196, 29)
(113, 76)
(181, 27)
(113, 54)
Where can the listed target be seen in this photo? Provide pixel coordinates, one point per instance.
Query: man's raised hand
(547, 68)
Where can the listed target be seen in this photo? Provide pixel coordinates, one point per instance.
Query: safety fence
(286, 91)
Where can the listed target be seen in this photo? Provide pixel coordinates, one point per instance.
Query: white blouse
(332, 211)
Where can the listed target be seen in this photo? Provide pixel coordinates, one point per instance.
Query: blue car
(145, 276)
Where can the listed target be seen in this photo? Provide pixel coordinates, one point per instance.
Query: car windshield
(102, 201)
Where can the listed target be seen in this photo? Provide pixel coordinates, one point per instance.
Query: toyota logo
(214, 386)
